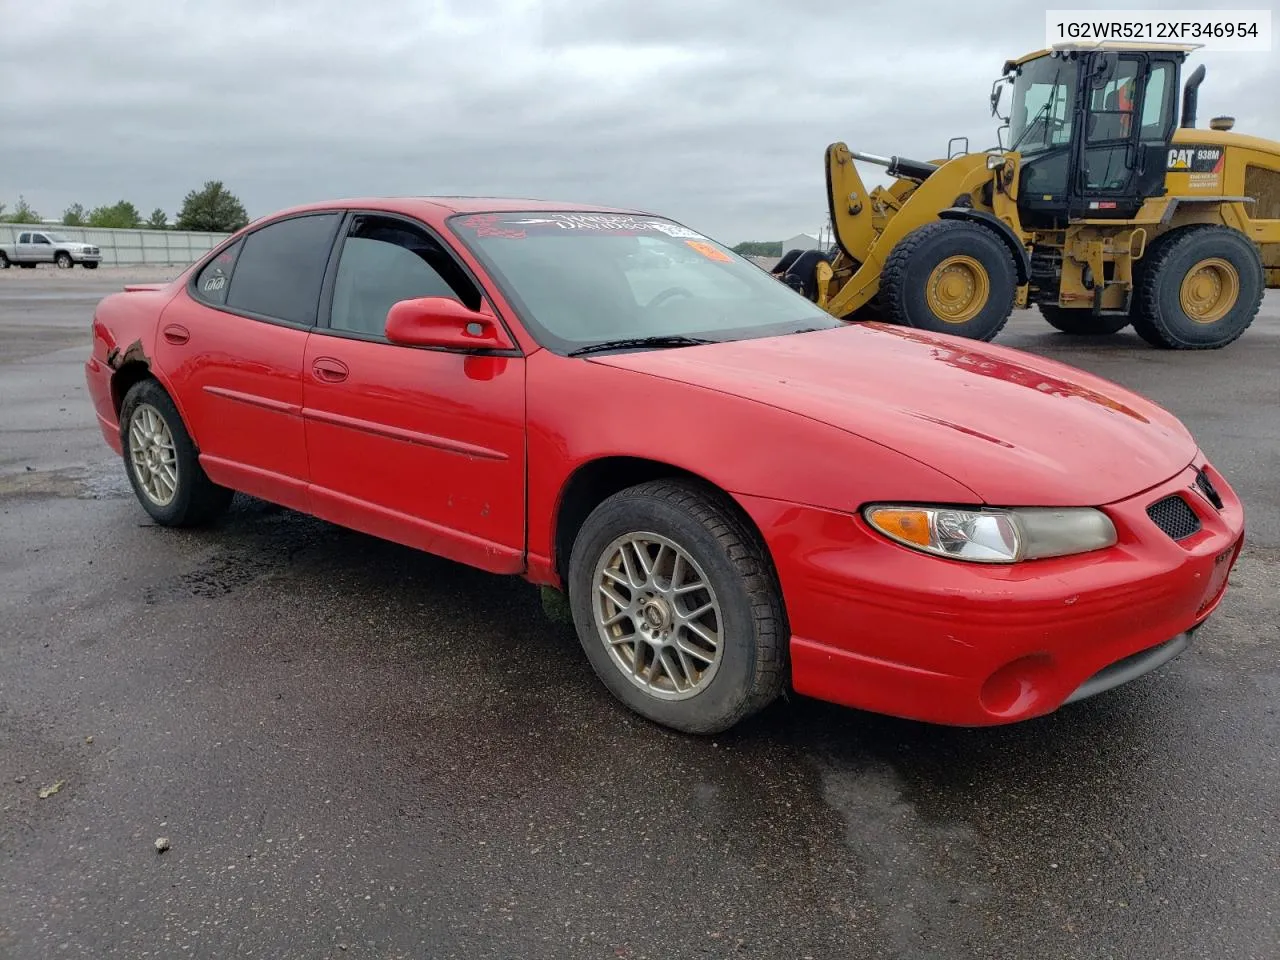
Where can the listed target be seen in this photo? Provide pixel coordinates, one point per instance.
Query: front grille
(1174, 516)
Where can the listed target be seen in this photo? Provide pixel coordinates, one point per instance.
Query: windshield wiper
(1042, 113)
(662, 341)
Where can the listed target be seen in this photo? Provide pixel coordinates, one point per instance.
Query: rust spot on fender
(116, 358)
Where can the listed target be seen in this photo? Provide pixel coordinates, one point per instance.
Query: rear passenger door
(232, 347)
(424, 446)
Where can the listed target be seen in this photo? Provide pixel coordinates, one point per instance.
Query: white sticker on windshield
(607, 221)
(672, 230)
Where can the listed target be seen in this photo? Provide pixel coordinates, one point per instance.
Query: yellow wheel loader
(1104, 210)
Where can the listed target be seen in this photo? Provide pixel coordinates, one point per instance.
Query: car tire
(4, 261)
(162, 461)
(1082, 322)
(723, 588)
(1170, 311)
(63, 260)
(950, 276)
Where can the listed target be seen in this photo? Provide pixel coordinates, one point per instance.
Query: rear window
(280, 268)
(212, 283)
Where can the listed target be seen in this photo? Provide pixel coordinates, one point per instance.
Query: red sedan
(738, 492)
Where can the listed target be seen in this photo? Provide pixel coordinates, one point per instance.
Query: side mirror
(1104, 67)
(997, 93)
(444, 322)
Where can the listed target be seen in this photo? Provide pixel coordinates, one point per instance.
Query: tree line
(210, 209)
(759, 248)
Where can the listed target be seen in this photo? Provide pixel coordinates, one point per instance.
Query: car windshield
(580, 279)
(1043, 95)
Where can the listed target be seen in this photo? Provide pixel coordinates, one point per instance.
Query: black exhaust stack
(1189, 96)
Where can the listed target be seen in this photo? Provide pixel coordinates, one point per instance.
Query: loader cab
(1093, 128)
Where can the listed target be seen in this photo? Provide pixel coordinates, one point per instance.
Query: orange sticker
(710, 252)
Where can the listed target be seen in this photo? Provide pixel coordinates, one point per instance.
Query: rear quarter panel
(124, 331)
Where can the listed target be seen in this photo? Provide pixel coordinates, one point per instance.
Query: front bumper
(1131, 667)
(884, 628)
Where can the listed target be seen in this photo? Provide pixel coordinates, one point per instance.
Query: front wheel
(63, 260)
(950, 276)
(162, 462)
(677, 607)
(1082, 322)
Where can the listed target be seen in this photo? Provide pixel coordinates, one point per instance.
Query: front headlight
(994, 536)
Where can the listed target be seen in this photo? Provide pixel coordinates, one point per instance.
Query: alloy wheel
(658, 616)
(153, 455)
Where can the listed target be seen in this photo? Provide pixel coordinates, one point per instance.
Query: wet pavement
(355, 750)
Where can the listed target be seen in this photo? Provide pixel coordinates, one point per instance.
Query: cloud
(715, 113)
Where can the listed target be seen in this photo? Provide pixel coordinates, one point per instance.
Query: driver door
(423, 446)
(1127, 123)
(41, 248)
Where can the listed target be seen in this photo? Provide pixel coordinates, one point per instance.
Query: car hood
(1014, 428)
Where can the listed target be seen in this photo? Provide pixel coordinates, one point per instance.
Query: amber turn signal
(911, 526)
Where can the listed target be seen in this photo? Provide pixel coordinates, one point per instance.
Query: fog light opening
(1019, 689)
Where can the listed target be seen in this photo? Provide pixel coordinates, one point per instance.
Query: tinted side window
(215, 278)
(1157, 105)
(24, 238)
(384, 261)
(280, 268)
(39, 238)
(1111, 109)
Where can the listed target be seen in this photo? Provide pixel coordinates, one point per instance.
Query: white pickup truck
(44, 246)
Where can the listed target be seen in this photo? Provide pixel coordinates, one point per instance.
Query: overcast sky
(714, 112)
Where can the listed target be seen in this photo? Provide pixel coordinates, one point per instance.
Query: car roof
(448, 205)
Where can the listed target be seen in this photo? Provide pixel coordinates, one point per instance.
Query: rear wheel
(951, 276)
(1082, 322)
(4, 261)
(1198, 289)
(677, 607)
(162, 463)
(63, 260)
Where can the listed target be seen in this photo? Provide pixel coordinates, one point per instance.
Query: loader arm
(849, 204)
(854, 216)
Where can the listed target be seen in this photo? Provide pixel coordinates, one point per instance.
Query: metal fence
(128, 247)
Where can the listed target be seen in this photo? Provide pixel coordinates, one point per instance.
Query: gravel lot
(103, 278)
(355, 750)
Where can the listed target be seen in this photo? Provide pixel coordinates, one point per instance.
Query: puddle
(68, 484)
(218, 576)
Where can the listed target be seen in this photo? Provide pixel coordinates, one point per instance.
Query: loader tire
(1081, 322)
(950, 276)
(1199, 288)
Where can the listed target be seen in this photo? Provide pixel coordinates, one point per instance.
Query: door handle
(329, 370)
(176, 333)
